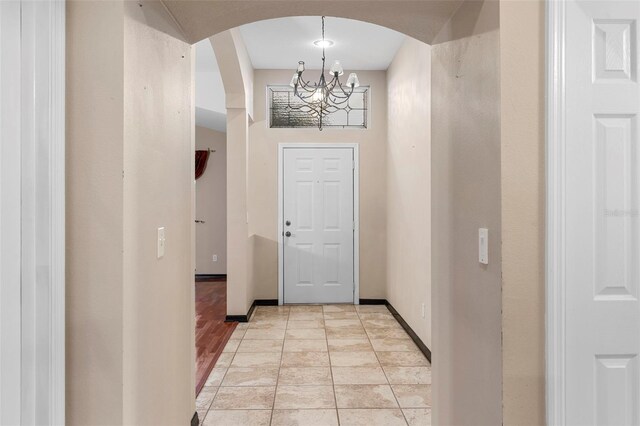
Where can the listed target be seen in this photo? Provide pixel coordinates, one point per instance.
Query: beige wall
(94, 207)
(130, 151)
(523, 156)
(237, 77)
(158, 179)
(239, 292)
(211, 204)
(408, 205)
(467, 369)
(263, 184)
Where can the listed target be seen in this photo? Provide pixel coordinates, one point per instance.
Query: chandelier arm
(343, 91)
(339, 100)
(341, 104)
(306, 101)
(306, 85)
(332, 84)
(306, 91)
(306, 95)
(302, 81)
(338, 95)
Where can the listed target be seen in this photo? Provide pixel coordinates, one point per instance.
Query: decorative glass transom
(287, 111)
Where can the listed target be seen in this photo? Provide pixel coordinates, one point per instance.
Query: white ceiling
(281, 43)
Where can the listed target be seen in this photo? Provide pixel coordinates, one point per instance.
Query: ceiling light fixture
(324, 97)
(323, 43)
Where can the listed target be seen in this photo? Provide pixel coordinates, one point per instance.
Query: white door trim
(356, 213)
(555, 249)
(10, 238)
(36, 89)
(58, 212)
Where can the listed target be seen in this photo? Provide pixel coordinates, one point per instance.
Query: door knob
(287, 234)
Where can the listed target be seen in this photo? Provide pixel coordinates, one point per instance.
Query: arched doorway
(227, 17)
(421, 20)
(494, 305)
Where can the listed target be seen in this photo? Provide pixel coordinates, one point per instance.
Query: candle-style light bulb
(337, 68)
(294, 80)
(317, 96)
(353, 81)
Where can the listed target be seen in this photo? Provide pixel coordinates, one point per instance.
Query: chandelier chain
(323, 46)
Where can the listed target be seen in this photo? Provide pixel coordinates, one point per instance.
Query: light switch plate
(161, 242)
(483, 246)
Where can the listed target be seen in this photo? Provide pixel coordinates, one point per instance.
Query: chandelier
(322, 97)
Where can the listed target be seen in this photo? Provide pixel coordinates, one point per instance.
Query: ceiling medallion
(324, 97)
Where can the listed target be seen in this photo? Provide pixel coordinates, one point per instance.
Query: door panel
(318, 202)
(602, 213)
(10, 215)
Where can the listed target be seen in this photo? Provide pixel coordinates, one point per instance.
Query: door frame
(34, 74)
(356, 212)
(555, 286)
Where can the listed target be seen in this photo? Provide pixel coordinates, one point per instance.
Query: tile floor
(318, 365)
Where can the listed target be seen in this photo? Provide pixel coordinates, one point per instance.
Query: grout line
(388, 381)
(209, 405)
(386, 377)
(275, 392)
(333, 382)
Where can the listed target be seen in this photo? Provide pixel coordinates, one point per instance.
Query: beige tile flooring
(318, 365)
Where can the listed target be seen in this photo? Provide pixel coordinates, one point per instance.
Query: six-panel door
(602, 213)
(318, 225)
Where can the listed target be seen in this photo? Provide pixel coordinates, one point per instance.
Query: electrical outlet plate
(483, 246)
(161, 242)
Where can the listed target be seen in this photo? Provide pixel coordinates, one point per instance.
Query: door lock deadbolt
(288, 223)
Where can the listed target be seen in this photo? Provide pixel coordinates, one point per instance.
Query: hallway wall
(522, 70)
(236, 72)
(211, 204)
(159, 294)
(94, 212)
(466, 196)
(263, 184)
(408, 281)
(130, 324)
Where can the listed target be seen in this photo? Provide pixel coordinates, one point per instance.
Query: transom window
(287, 111)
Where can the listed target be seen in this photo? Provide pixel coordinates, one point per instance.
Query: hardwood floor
(212, 333)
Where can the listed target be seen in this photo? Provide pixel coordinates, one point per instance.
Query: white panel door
(602, 177)
(318, 225)
(10, 220)
(32, 245)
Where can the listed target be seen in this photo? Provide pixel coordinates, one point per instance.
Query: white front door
(318, 225)
(602, 222)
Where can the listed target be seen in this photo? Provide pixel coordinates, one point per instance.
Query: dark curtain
(201, 162)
